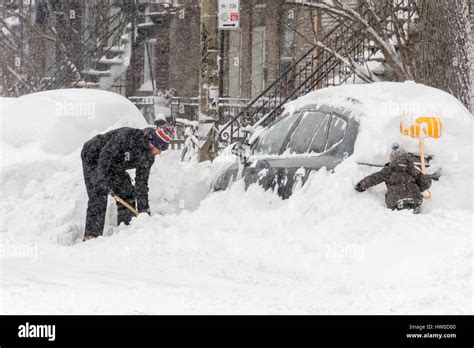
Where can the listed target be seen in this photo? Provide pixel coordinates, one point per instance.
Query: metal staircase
(106, 48)
(103, 55)
(110, 62)
(315, 69)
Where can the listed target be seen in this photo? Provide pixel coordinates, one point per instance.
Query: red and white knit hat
(159, 139)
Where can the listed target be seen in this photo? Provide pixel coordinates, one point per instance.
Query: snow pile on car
(381, 106)
(326, 250)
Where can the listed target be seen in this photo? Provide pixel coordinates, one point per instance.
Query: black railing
(316, 68)
(59, 75)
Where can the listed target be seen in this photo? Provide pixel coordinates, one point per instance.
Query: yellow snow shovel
(423, 127)
(125, 204)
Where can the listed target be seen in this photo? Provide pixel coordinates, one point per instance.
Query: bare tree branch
(61, 47)
(18, 78)
(27, 20)
(356, 68)
(345, 12)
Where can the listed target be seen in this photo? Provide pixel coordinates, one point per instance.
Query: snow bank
(51, 123)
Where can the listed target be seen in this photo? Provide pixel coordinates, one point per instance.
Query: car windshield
(272, 140)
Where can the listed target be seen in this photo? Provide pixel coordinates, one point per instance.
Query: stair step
(150, 30)
(146, 25)
(86, 84)
(116, 49)
(125, 38)
(151, 2)
(111, 61)
(111, 55)
(93, 72)
(164, 3)
(153, 14)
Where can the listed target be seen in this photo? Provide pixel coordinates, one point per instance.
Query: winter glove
(144, 211)
(435, 176)
(359, 187)
(423, 182)
(122, 186)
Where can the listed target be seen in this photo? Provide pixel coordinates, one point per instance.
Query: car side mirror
(243, 152)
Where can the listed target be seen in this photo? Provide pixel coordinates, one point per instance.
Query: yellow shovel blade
(423, 126)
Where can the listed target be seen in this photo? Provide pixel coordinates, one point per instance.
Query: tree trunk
(162, 60)
(272, 41)
(471, 57)
(185, 53)
(445, 33)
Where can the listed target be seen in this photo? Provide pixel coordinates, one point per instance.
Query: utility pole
(208, 82)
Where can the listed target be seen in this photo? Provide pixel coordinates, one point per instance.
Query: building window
(149, 64)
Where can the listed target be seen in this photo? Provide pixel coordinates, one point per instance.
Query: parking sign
(229, 16)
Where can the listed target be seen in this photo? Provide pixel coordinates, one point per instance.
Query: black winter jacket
(116, 151)
(403, 180)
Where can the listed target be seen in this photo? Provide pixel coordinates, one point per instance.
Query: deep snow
(326, 250)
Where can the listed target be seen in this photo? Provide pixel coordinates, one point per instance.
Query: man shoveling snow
(405, 183)
(105, 161)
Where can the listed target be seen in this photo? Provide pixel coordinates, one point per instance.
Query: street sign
(229, 16)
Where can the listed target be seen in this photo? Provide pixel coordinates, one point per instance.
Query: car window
(271, 142)
(319, 139)
(337, 130)
(304, 132)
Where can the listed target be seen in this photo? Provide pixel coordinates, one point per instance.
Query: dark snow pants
(97, 193)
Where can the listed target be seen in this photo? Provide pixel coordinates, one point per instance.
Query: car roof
(384, 99)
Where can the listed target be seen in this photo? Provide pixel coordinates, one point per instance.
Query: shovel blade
(423, 127)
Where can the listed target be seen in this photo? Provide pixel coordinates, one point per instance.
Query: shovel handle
(427, 193)
(125, 204)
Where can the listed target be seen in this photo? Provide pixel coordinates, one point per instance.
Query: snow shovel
(125, 204)
(423, 127)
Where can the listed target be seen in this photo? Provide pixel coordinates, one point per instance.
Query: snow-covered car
(282, 157)
(326, 127)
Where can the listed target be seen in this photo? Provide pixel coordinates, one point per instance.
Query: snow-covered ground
(326, 250)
